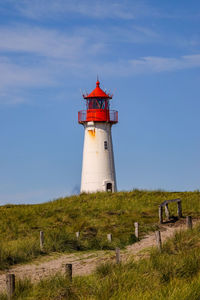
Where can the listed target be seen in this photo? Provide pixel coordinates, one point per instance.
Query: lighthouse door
(109, 187)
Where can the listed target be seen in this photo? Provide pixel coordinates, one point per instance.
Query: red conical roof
(97, 93)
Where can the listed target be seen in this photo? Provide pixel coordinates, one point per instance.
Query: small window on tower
(105, 145)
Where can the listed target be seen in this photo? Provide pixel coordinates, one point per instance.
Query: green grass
(94, 215)
(172, 274)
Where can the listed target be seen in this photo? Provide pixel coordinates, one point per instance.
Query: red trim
(98, 115)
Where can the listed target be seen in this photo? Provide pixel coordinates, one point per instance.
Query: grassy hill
(172, 274)
(94, 215)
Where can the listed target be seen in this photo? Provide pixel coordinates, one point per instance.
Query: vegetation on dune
(172, 274)
(94, 215)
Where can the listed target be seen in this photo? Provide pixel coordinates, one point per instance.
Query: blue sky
(146, 52)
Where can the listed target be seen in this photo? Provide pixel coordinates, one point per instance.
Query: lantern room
(97, 107)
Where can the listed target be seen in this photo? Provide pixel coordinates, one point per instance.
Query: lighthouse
(98, 167)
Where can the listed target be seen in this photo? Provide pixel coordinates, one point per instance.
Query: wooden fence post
(189, 222)
(77, 235)
(41, 240)
(179, 210)
(160, 212)
(136, 224)
(10, 284)
(68, 271)
(167, 212)
(158, 240)
(117, 252)
(109, 237)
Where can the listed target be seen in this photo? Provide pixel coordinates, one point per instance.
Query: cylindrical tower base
(98, 169)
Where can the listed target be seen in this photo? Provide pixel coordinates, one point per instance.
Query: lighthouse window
(105, 145)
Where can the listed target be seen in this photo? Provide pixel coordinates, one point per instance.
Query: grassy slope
(173, 274)
(93, 215)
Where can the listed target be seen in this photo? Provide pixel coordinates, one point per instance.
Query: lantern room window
(97, 104)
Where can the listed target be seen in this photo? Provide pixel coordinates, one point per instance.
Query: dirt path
(84, 264)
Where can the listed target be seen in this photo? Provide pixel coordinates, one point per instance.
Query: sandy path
(84, 264)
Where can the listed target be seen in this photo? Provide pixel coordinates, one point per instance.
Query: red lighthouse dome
(97, 93)
(98, 107)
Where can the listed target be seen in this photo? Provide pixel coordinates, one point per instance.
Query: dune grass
(94, 215)
(172, 274)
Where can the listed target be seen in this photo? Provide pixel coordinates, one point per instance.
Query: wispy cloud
(90, 9)
(11, 73)
(39, 41)
(103, 9)
(162, 64)
(78, 44)
(38, 57)
(115, 35)
(11, 96)
(12, 76)
(150, 64)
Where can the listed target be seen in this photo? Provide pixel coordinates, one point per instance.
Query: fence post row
(109, 237)
(136, 224)
(160, 212)
(77, 235)
(179, 210)
(10, 284)
(158, 240)
(189, 222)
(68, 271)
(117, 252)
(41, 240)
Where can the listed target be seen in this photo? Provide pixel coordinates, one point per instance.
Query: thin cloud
(114, 34)
(38, 57)
(162, 64)
(8, 97)
(103, 9)
(48, 43)
(148, 65)
(12, 74)
(71, 46)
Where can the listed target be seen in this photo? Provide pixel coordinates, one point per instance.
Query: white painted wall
(98, 163)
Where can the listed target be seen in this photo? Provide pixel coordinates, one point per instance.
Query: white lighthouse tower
(98, 168)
